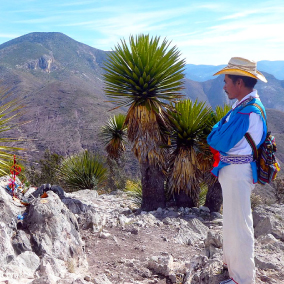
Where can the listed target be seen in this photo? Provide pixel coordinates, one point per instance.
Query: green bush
(133, 190)
(82, 171)
(45, 170)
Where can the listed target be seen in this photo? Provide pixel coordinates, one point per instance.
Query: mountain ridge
(61, 83)
(202, 72)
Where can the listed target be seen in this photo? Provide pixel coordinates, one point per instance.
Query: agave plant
(113, 135)
(144, 75)
(189, 122)
(9, 113)
(82, 171)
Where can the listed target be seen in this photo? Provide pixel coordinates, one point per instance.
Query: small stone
(195, 210)
(159, 210)
(216, 215)
(104, 235)
(204, 208)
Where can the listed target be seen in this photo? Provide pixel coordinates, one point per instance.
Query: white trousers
(238, 236)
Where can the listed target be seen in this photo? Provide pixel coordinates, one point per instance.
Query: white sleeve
(255, 127)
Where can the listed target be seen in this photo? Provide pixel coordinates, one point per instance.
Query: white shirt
(255, 129)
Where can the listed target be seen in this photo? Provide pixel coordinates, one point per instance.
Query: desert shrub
(44, 170)
(133, 190)
(255, 200)
(82, 171)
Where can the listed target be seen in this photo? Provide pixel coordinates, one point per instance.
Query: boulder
(269, 220)
(54, 232)
(191, 231)
(213, 243)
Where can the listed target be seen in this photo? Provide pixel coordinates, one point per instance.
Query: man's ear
(240, 82)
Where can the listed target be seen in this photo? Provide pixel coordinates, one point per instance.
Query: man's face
(232, 90)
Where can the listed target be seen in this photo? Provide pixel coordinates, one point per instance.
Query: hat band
(242, 67)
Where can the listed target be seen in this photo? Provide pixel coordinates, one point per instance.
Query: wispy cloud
(12, 35)
(76, 3)
(51, 19)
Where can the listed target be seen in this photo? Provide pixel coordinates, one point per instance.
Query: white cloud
(50, 19)
(10, 36)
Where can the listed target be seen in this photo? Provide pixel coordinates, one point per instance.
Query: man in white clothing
(236, 169)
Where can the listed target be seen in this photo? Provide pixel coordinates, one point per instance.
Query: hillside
(60, 82)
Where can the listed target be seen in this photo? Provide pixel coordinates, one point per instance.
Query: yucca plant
(189, 121)
(9, 113)
(82, 171)
(113, 135)
(144, 75)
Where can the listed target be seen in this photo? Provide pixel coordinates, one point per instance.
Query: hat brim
(235, 71)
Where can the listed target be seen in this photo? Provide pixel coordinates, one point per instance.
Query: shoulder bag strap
(252, 145)
(248, 136)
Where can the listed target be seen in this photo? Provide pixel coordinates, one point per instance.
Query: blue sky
(206, 32)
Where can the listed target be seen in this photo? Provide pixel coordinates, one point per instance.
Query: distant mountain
(203, 73)
(60, 82)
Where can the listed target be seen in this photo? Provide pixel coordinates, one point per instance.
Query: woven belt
(236, 159)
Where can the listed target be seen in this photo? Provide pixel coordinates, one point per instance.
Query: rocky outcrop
(51, 245)
(45, 63)
(40, 242)
(54, 231)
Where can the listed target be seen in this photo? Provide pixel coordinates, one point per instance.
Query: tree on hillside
(189, 152)
(113, 135)
(144, 75)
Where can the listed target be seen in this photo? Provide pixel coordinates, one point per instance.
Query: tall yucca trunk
(144, 132)
(214, 197)
(153, 193)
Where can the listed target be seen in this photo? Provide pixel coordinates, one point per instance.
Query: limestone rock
(101, 279)
(191, 231)
(162, 265)
(54, 231)
(269, 220)
(213, 243)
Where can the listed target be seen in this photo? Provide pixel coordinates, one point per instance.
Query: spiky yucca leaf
(9, 112)
(143, 69)
(82, 171)
(113, 135)
(188, 140)
(221, 112)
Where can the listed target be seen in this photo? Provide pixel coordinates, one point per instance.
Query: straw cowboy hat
(242, 67)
